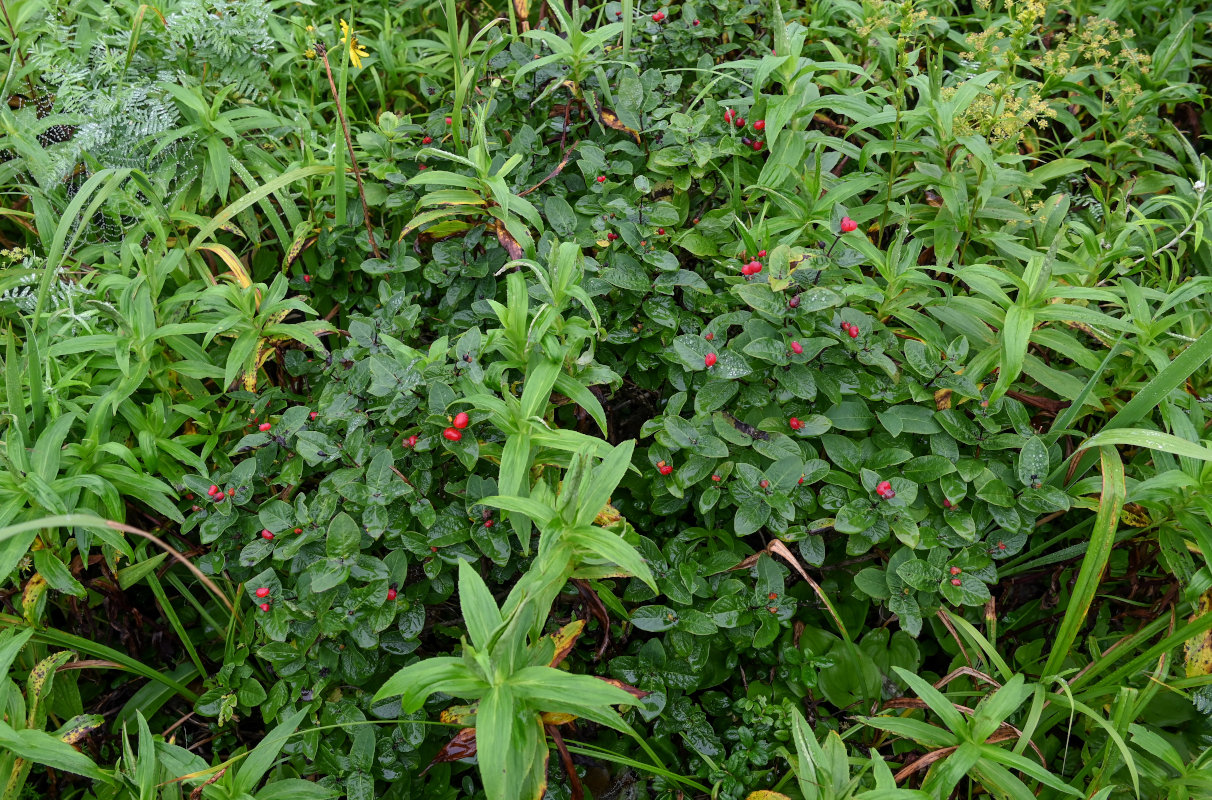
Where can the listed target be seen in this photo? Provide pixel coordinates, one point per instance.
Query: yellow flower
(356, 51)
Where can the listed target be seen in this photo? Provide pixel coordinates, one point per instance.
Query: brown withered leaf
(638, 694)
(934, 199)
(942, 399)
(522, 9)
(507, 241)
(611, 120)
(463, 745)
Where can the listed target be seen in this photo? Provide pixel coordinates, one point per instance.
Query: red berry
(956, 570)
(801, 480)
(601, 179)
(410, 442)
(728, 115)
(709, 359)
(611, 236)
(854, 331)
(298, 530)
(665, 469)
(219, 497)
(757, 145)
(797, 348)
(427, 140)
(754, 267)
(848, 225)
(761, 253)
(709, 336)
(660, 231)
(307, 278)
(658, 16)
(696, 23)
(773, 596)
(956, 582)
(759, 125)
(391, 593)
(715, 478)
(433, 549)
(265, 606)
(452, 435)
(883, 487)
(312, 416)
(889, 495)
(795, 423)
(1001, 545)
(764, 483)
(740, 122)
(422, 167)
(461, 420)
(794, 302)
(262, 592)
(449, 121)
(487, 523)
(264, 426)
(947, 504)
(266, 534)
(213, 490)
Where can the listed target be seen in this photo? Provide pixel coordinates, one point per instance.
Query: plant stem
(322, 51)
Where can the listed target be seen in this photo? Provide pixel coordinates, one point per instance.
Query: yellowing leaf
(1199, 649)
(232, 261)
(565, 638)
(611, 120)
(608, 516)
(1135, 516)
(766, 794)
(942, 399)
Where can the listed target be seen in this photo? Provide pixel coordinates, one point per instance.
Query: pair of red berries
(215, 493)
(709, 360)
(797, 348)
(852, 330)
(391, 593)
(752, 268)
(884, 490)
(460, 421)
(264, 427)
(658, 17)
(267, 534)
(664, 468)
(796, 423)
(848, 225)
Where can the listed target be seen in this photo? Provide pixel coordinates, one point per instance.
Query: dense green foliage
(437, 400)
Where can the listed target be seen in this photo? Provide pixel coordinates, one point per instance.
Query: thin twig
(322, 51)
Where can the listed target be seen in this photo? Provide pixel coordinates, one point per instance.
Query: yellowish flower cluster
(16, 254)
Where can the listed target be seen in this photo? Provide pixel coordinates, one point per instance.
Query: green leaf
(39, 747)
(480, 611)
